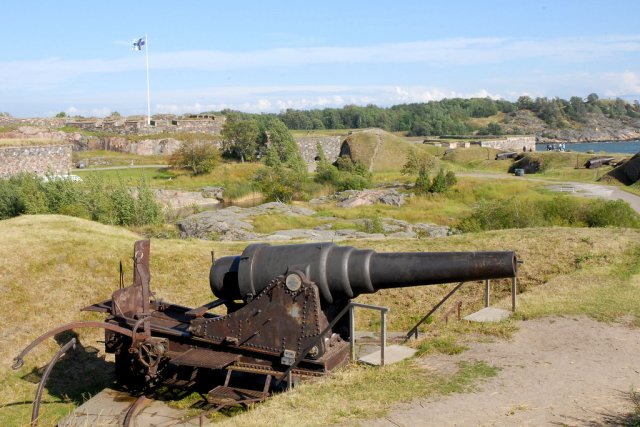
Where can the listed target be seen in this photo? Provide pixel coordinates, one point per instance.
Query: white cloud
(277, 98)
(27, 74)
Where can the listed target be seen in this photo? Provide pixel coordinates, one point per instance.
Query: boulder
(393, 198)
(213, 193)
(431, 230)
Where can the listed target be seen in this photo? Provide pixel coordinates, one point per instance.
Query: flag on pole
(138, 44)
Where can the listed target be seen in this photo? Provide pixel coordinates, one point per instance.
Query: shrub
(616, 213)
(372, 225)
(439, 184)
(423, 183)
(10, 202)
(93, 198)
(199, 157)
(519, 212)
(347, 175)
(451, 179)
(147, 209)
(280, 183)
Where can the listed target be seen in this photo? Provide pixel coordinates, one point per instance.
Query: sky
(267, 56)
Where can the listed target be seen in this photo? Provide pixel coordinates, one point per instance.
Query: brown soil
(555, 371)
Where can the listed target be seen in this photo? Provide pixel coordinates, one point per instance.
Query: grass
(54, 265)
(484, 121)
(582, 293)
(234, 177)
(445, 209)
(391, 154)
(102, 158)
(359, 392)
(274, 222)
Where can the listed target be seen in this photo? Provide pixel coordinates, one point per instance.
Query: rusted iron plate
(203, 358)
(222, 395)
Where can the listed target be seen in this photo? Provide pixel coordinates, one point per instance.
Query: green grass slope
(54, 265)
(380, 150)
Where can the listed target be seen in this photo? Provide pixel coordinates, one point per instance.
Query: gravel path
(608, 192)
(555, 371)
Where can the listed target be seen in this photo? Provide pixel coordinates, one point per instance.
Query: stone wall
(148, 147)
(41, 160)
(139, 126)
(308, 148)
(512, 143)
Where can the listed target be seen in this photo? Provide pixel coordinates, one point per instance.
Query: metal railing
(383, 328)
(487, 290)
(414, 330)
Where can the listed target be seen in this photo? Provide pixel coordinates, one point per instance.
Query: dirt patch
(565, 371)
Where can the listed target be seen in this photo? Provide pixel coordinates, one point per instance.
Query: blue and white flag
(138, 44)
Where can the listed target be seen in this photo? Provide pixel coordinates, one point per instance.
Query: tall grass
(526, 212)
(95, 198)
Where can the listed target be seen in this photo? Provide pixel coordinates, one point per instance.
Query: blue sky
(272, 55)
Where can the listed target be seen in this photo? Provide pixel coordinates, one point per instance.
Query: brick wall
(42, 159)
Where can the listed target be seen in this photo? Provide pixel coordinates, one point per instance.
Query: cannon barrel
(343, 272)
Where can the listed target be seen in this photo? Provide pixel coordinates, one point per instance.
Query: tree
(325, 171)
(439, 184)
(492, 128)
(451, 179)
(282, 148)
(61, 115)
(418, 160)
(241, 138)
(423, 183)
(524, 103)
(592, 98)
(198, 156)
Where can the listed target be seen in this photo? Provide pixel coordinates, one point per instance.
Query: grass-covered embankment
(55, 265)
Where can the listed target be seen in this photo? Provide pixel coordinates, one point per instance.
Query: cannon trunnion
(281, 302)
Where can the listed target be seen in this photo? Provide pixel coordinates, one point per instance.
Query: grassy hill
(381, 151)
(54, 265)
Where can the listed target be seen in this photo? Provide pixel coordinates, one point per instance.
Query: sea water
(628, 147)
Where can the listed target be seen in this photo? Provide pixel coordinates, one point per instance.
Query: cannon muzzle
(343, 272)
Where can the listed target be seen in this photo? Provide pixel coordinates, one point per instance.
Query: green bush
(280, 183)
(520, 212)
(439, 184)
(93, 198)
(345, 175)
(200, 157)
(147, 209)
(423, 183)
(372, 225)
(616, 213)
(10, 202)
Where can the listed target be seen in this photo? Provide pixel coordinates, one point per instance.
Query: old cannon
(282, 314)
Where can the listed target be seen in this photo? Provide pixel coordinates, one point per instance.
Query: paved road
(608, 192)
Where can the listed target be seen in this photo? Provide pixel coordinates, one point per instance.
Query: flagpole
(146, 54)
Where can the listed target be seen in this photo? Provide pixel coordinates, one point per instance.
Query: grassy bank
(54, 265)
(236, 178)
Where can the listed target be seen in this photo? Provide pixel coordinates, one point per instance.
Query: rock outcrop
(354, 198)
(234, 223)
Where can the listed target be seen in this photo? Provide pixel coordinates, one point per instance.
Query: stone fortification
(513, 143)
(309, 148)
(138, 125)
(41, 160)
